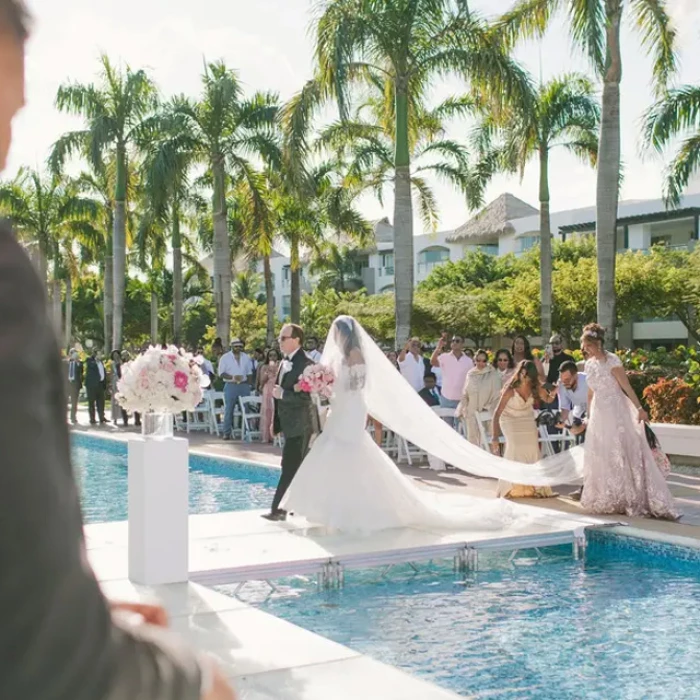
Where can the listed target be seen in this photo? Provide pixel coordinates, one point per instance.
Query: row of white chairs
(209, 416)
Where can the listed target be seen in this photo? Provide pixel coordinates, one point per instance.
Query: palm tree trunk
(68, 331)
(295, 291)
(154, 318)
(222, 253)
(178, 292)
(57, 311)
(269, 300)
(607, 188)
(545, 247)
(403, 219)
(108, 295)
(119, 249)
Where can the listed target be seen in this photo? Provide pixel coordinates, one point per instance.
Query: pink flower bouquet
(161, 381)
(317, 380)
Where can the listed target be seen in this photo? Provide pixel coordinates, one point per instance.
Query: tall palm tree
(338, 268)
(675, 115)
(563, 112)
(407, 43)
(595, 27)
(222, 131)
(114, 111)
(151, 250)
(50, 214)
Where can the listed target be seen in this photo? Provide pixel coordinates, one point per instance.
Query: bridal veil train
(348, 483)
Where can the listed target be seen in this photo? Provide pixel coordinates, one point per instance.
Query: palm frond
(681, 169)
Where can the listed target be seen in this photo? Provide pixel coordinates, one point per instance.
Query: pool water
(624, 625)
(215, 485)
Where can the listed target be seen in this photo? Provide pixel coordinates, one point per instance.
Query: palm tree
(114, 111)
(151, 250)
(48, 213)
(338, 268)
(222, 131)
(676, 114)
(563, 112)
(595, 27)
(407, 43)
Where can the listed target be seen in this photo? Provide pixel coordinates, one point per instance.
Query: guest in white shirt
(412, 364)
(312, 351)
(573, 392)
(236, 369)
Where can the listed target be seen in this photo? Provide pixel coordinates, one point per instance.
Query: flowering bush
(162, 381)
(317, 380)
(673, 401)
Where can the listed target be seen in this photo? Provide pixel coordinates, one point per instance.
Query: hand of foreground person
(221, 689)
(151, 614)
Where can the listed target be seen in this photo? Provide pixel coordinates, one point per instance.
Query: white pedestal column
(158, 510)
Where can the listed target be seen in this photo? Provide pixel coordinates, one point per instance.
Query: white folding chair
(250, 417)
(217, 412)
(200, 417)
(483, 418)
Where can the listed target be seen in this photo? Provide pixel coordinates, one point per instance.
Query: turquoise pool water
(215, 485)
(624, 625)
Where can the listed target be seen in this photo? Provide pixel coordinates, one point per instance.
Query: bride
(348, 483)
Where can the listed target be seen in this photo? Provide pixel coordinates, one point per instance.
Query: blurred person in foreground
(60, 639)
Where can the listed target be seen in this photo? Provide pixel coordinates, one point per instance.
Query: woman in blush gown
(621, 474)
(267, 374)
(515, 417)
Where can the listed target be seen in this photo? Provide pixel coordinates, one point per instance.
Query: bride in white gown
(348, 483)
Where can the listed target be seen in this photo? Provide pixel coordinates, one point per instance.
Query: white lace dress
(348, 483)
(621, 474)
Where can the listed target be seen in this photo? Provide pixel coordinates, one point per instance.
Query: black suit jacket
(57, 637)
(295, 413)
(429, 398)
(92, 376)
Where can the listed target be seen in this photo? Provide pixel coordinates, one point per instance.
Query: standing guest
(126, 357)
(217, 349)
(521, 350)
(557, 358)
(258, 359)
(312, 351)
(620, 474)
(206, 365)
(482, 389)
(267, 374)
(516, 417)
(75, 383)
(573, 391)
(96, 386)
(430, 392)
(236, 369)
(412, 363)
(505, 364)
(393, 357)
(59, 638)
(454, 365)
(117, 410)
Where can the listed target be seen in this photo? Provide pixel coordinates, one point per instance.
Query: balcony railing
(425, 267)
(386, 271)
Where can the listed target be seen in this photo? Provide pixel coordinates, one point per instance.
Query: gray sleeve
(57, 638)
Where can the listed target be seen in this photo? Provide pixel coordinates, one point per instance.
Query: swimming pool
(215, 484)
(623, 625)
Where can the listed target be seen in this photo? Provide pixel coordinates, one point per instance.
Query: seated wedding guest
(412, 363)
(59, 639)
(454, 366)
(482, 389)
(430, 392)
(504, 363)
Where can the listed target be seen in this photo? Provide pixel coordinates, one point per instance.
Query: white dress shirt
(569, 399)
(241, 367)
(413, 370)
(101, 370)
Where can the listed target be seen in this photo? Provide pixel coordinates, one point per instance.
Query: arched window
(432, 257)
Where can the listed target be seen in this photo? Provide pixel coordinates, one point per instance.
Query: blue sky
(269, 43)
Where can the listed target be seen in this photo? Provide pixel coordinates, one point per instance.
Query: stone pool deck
(267, 657)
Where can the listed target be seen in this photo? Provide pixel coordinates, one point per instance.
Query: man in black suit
(295, 414)
(96, 385)
(75, 384)
(430, 393)
(58, 638)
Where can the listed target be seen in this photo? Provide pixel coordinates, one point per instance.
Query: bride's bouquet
(161, 381)
(316, 380)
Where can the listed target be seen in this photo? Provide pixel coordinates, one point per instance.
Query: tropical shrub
(673, 401)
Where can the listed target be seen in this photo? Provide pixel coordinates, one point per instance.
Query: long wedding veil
(394, 403)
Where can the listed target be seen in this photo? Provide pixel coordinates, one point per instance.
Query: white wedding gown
(348, 483)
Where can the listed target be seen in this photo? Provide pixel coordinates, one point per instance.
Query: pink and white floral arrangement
(317, 380)
(161, 381)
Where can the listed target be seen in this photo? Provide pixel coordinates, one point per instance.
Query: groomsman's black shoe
(275, 517)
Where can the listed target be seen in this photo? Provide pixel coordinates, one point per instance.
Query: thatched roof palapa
(493, 221)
